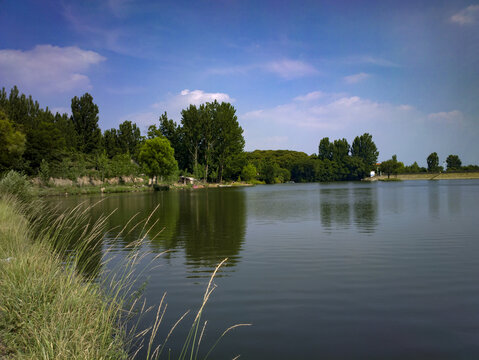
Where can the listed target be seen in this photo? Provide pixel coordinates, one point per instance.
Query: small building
(186, 180)
(372, 173)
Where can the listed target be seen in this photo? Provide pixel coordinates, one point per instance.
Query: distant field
(427, 176)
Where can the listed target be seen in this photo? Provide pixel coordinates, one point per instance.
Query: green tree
(340, 150)
(85, 120)
(12, 143)
(192, 135)
(249, 172)
(67, 129)
(129, 138)
(391, 166)
(157, 158)
(111, 143)
(325, 149)
(364, 147)
(433, 162)
(229, 141)
(453, 163)
(173, 132)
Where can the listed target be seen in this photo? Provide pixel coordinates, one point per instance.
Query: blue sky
(296, 71)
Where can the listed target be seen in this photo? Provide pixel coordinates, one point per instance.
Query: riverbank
(66, 190)
(48, 310)
(427, 176)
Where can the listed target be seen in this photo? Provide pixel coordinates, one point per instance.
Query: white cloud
(175, 103)
(48, 68)
(353, 79)
(455, 116)
(469, 15)
(290, 69)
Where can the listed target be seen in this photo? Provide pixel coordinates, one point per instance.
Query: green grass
(48, 310)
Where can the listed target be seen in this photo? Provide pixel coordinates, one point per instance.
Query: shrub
(17, 185)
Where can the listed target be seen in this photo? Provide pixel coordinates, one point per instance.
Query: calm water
(327, 271)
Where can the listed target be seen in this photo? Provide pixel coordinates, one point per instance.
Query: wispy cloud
(112, 38)
(322, 112)
(353, 79)
(285, 68)
(467, 16)
(369, 59)
(454, 117)
(290, 69)
(314, 95)
(338, 116)
(48, 68)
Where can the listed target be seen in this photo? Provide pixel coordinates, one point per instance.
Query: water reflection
(209, 225)
(434, 202)
(337, 204)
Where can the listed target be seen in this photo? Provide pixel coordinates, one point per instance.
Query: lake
(327, 271)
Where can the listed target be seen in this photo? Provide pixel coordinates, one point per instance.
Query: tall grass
(56, 300)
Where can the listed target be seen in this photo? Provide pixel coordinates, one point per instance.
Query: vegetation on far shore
(207, 144)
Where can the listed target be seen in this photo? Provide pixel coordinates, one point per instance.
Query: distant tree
(67, 129)
(453, 162)
(391, 166)
(85, 120)
(192, 134)
(45, 142)
(365, 148)
(173, 132)
(229, 134)
(129, 138)
(249, 172)
(413, 169)
(325, 149)
(111, 143)
(433, 162)
(153, 132)
(12, 143)
(168, 128)
(157, 158)
(340, 150)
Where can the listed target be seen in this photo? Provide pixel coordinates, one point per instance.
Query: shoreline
(426, 176)
(74, 189)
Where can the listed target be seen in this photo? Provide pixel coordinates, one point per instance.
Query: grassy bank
(90, 189)
(429, 176)
(47, 310)
(111, 189)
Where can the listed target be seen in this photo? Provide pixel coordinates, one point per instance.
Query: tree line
(453, 164)
(207, 144)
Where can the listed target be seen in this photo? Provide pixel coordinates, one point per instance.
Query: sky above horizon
(406, 72)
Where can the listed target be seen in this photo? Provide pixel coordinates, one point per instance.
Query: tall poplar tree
(85, 120)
